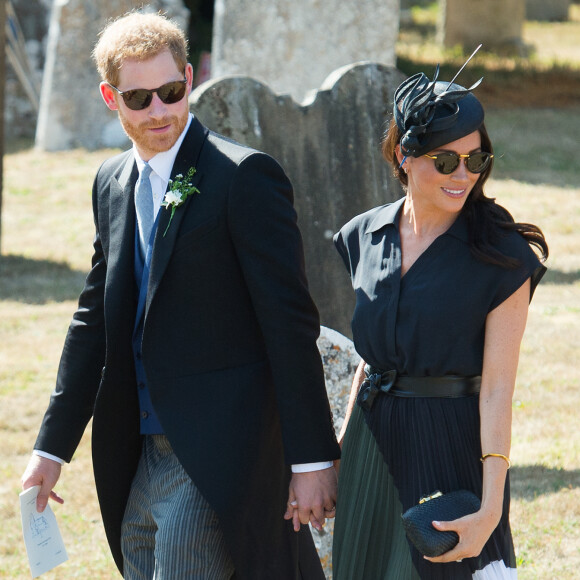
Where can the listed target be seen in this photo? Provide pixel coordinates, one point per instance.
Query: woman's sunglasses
(448, 162)
(138, 99)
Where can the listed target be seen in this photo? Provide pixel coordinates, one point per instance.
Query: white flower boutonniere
(179, 190)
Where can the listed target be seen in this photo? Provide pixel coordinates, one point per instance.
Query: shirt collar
(163, 162)
(389, 215)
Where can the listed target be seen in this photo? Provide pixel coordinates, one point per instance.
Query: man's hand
(311, 498)
(44, 472)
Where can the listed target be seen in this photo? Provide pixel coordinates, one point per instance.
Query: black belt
(450, 386)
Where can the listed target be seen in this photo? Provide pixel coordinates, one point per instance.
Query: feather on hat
(432, 113)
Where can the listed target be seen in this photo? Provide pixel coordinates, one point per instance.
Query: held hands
(473, 530)
(311, 498)
(45, 473)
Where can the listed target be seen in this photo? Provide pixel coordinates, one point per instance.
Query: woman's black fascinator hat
(432, 113)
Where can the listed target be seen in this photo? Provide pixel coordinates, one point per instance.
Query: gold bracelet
(504, 457)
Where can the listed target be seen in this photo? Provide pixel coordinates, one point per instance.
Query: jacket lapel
(187, 157)
(121, 238)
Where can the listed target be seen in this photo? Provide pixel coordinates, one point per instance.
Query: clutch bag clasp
(427, 498)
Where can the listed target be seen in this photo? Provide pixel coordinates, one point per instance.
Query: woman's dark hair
(485, 218)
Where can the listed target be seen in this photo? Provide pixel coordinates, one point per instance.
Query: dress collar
(389, 215)
(385, 215)
(459, 228)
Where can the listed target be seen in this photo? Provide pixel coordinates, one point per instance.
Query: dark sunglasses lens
(138, 99)
(478, 162)
(171, 92)
(446, 163)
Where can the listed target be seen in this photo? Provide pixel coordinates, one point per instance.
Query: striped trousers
(169, 531)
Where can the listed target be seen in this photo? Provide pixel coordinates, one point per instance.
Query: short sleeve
(529, 267)
(342, 250)
(355, 238)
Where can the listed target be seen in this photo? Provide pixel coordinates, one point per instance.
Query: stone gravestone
(2, 77)
(330, 149)
(26, 31)
(554, 10)
(72, 113)
(340, 361)
(495, 23)
(294, 45)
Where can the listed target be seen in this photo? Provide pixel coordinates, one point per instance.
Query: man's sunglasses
(138, 99)
(448, 162)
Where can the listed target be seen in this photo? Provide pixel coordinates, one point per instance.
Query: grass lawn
(46, 246)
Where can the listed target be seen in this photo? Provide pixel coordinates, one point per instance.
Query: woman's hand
(473, 530)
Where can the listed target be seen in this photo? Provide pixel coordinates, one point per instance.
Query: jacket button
(144, 414)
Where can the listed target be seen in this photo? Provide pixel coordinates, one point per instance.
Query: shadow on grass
(17, 144)
(524, 86)
(530, 481)
(38, 281)
(558, 277)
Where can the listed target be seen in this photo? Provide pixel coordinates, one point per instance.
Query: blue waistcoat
(149, 421)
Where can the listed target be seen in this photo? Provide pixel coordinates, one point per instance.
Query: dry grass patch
(47, 231)
(547, 75)
(536, 178)
(555, 42)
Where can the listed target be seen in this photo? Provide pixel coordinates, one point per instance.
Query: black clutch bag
(417, 520)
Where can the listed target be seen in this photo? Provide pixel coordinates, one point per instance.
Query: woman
(443, 279)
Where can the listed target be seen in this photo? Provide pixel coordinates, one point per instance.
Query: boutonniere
(179, 190)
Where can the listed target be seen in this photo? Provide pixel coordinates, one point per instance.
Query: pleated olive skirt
(391, 459)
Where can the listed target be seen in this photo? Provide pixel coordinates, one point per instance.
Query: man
(194, 346)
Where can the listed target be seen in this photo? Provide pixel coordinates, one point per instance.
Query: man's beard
(148, 142)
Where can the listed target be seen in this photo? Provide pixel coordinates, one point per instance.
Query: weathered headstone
(293, 46)
(495, 23)
(340, 361)
(2, 77)
(72, 113)
(554, 10)
(26, 31)
(330, 149)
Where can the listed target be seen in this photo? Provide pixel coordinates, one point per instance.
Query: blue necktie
(144, 207)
